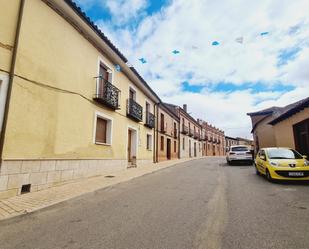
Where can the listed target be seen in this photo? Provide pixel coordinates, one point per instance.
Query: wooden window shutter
(101, 130)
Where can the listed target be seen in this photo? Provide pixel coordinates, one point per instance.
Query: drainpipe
(157, 134)
(11, 77)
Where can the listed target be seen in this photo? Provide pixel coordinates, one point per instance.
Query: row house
(67, 111)
(190, 133)
(214, 140)
(286, 126)
(230, 141)
(167, 134)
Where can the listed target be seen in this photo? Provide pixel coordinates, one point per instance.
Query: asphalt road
(200, 204)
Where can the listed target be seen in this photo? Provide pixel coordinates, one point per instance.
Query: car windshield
(239, 148)
(283, 154)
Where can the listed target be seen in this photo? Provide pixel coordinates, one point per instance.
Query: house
(67, 111)
(190, 132)
(291, 128)
(214, 140)
(275, 126)
(230, 141)
(167, 134)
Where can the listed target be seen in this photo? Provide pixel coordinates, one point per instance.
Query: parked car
(239, 153)
(281, 164)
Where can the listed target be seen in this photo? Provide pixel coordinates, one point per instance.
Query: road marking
(210, 234)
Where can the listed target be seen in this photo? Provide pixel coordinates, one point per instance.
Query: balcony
(150, 120)
(191, 133)
(163, 128)
(175, 134)
(107, 94)
(196, 135)
(185, 129)
(210, 139)
(218, 142)
(134, 110)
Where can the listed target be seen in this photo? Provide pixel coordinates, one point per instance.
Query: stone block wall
(42, 174)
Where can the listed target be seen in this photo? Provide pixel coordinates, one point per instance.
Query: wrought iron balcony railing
(107, 94)
(134, 110)
(191, 133)
(150, 120)
(185, 129)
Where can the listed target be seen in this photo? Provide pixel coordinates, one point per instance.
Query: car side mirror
(263, 158)
(304, 156)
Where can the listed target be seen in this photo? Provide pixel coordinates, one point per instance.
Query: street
(201, 204)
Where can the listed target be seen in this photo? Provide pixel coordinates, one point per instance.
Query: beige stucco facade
(168, 135)
(52, 116)
(284, 135)
(263, 134)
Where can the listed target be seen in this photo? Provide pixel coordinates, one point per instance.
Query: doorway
(189, 148)
(168, 149)
(131, 149)
(194, 149)
(301, 137)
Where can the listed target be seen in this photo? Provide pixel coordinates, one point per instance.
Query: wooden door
(168, 149)
(129, 146)
(104, 75)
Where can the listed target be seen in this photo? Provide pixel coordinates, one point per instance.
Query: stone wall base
(42, 174)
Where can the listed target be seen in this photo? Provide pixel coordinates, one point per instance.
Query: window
(162, 121)
(175, 130)
(175, 144)
(132, 94)
(100, 135)
(162, 143)
(149, 142)
(103, 129)
(183, 143)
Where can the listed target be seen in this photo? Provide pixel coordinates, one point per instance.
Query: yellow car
(281, 164)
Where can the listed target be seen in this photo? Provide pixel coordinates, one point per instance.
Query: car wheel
(268, 176)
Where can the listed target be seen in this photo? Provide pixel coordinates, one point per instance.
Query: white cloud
(125, 10)
(183, 24)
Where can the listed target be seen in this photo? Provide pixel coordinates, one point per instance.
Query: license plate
(296, 173)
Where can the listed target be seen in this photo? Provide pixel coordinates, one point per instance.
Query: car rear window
(239, 149)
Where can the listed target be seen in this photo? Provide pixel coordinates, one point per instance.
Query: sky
(261, 60)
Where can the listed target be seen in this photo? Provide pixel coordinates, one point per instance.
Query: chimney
(184, 107)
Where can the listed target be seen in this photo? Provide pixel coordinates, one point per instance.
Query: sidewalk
(30, 202)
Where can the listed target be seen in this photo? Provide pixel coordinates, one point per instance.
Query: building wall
(8, 24)
(51, 121)
(264, 134)
(284, 130)
(169, 134)
(188, 140)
